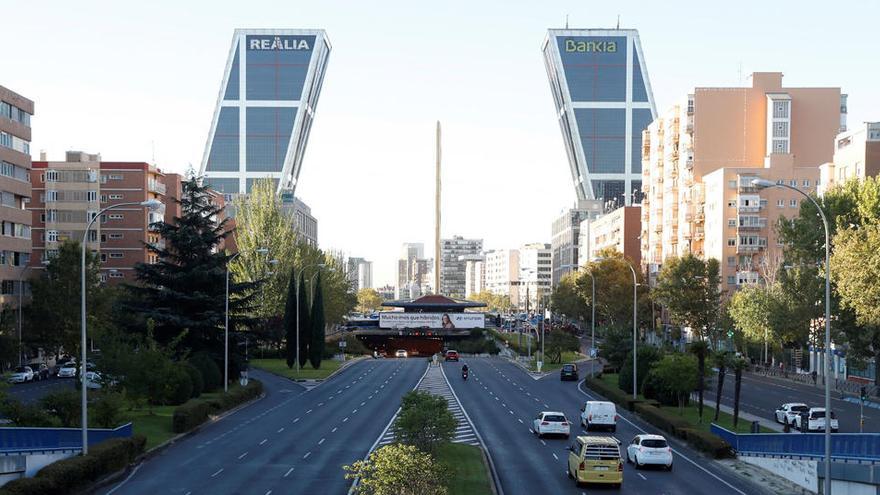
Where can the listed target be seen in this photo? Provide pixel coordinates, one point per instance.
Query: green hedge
(76, 473)
(615, 395)
(196, 411)
(707, 442)
(664, 420)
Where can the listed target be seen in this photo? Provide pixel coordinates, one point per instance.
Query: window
(731, 203)
(780, 203)
(50, 196)
(792, 183)
(806, 183)
(43, 217)
(93, 236)
(115, 196)
(103, 257)
(51, 175)
(116, 236)
(116, 275)
(115, 177)
(117, 255)
(731, 241)
(731, 222)
(731, 184)
(51, 236)
(103, 198)
(793, 203)
(731, 280)
(116, 216)
(93, 196)
(731, 261)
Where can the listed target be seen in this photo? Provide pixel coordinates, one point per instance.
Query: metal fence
(844, 446)
(22, 440)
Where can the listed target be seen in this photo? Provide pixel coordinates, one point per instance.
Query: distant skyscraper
(603, 100)
(265, 109)
(453, 264)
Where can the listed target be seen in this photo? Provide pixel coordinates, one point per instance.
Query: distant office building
(304, 223)
(409, 252)
(360, 273)
(414, 272)
(502, 271)
(535, 274)
(856, 156)
(602, 97)
(566, 237)
(701, 156)
(69, 193)
(15, 193)
(619, 230)
(452, 267)
(475, 274)
(387, 293)
(264, 113)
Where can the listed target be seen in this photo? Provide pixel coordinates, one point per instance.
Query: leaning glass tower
(265, 109)
(603, 101)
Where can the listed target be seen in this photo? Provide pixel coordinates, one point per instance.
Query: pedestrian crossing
(434, 382)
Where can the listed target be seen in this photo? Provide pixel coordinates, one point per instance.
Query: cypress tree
(290, 321)
(305, 331)
(316, 346)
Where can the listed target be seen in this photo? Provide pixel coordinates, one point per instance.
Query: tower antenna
(437, 217)
(618, 21)
(566, 21)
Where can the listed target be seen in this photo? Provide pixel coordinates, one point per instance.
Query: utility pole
(437, 216)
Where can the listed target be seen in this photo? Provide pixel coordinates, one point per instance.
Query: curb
(316, 381)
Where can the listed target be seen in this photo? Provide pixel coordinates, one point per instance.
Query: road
(501, 399)
(292, 441)
(29, 393)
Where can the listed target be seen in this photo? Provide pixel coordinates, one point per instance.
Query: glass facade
(603, 99)
(263, 118)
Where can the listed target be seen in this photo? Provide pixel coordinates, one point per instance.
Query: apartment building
(502, 271)
(452, 264)
(856, 155)
(700, 156)
(15, 193)
(475, 274)
(68, 194)
(535, 274)
(619, 230)
(565, 236)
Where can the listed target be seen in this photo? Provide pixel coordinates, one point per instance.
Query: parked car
(94, 380)
(400, 353)
(551, 423)
(649, 450)
(595, 459)
(67, 370)
(569, 371)
(815, 420)
(41, 371)
(599, 414)
(452, 355)
(788, 412)
(21, 374)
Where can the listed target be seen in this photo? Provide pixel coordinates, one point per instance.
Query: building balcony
(748, 249)
(749, 208)
(699, 235)
(156, 187)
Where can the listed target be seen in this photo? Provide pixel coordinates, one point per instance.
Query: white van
(599, 414)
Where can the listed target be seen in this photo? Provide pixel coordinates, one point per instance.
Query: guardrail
(24, 440)
(862, 447)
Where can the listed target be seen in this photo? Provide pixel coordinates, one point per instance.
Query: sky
(138, 81)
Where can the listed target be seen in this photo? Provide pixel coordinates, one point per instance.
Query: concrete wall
(800, 472)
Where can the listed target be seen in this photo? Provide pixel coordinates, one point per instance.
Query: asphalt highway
(502, 399)
(291, 441)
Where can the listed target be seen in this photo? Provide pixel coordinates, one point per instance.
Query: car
(651, 450)
(452, 355)
(599, 414)
(551, 423)
(569, 371)
(595, 459)
(67, 370)
(400, 353)
(41, 371)
(21, 374)
(788, 412)
(815, 420)
(94, 380)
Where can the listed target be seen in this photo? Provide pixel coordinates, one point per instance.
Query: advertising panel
(431, 320)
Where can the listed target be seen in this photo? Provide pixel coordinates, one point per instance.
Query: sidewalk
(767, 423)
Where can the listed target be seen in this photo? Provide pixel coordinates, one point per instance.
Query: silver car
(22, 374)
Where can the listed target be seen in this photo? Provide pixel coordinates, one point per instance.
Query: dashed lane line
(216, 473)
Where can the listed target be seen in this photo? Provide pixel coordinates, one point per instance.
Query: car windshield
(20, 369)
(568, 367)
(654, 443)
(817, 414)
(555, 418)
(69, 365)
(800, 408)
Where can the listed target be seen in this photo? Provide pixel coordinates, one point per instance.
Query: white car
(400, 353)
(787, 412)
(551, 423)
(94, 380)
(599, 414)
(649, 450)
(22, 374)
(67, 370)
(816, 420)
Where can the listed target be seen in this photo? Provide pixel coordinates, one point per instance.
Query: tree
(738, 365)
(305, 329)
(648, 355)
(290, 322)
(616, 346)
(64, 405)
(567, 297)
(721, 361)
(397, 469)
(183, 293)
(316, 345)
(750, 309)
(856, 269)
(559, 342)
(676, 374)
(368, 300)
(494, 302)
(700, 349)
(424, 421)
(614, 290)
(688, 287)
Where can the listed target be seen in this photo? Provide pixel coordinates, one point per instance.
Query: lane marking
(242, 456)
(642, 476)
(218, 472)
(264, 441)
(309, 411)
(521, 421)
(346, 419)
(295, 420)
(307, 455)
(334, 430)
(269, 492)
(287, 473)
(280, 429)
(543, 443)
(554, 456)
(321, 441)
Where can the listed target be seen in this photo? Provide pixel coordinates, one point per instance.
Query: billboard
(431, 320)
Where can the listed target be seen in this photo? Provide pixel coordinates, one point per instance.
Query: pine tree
(316, 346)
(290, 321)
(184, 292)
(305, 331)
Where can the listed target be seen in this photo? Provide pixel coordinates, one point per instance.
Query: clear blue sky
(123, 78)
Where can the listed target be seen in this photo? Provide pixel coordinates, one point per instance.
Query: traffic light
(863, 392)
(730, 334)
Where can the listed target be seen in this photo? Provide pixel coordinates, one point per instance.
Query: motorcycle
(464, 375)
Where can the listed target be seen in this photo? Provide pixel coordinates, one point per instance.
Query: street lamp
(303, 269)
(20, 296)
(262, 251)
(635, 323)
(152, 205)
(593, 318)
(763, 184)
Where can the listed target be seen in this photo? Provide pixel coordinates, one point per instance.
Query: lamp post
(593, 317)
(20, 296)
(302, 270)
(635, 323)
(152, 205)
(826, 367)
(226, 323)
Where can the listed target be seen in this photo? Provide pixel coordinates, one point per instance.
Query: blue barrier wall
(21, 440)
(844, 446)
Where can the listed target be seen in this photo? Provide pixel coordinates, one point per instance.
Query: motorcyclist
(464, 371)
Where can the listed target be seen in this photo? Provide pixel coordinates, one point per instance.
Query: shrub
(107, 409)
(654, 389)
(424, 421)
(397, 469)
(662, 419)
(73, 474)
(648, 355)
(178, 385)
(196, 411)
(26, 414)
(66, 405)
(675, 375)
(707, 442)
(195, 377)
(212, 377)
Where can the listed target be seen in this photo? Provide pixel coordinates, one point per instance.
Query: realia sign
(280, 43)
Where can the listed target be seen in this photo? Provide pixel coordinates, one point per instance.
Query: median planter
(662, 419)
(707, 442)
(194, 412)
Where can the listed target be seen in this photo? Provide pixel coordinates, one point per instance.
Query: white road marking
(321, 441)
(307, 455)
(354, 411)
(334, 430)
(554, 456)
(242, 456)
(543, 442)
(511, 412)
(642, 476)
(287, 473)
(264, 441)
(346, 419)
(320, 404)
(295, 420)
(309, 411)
(269, 492)
(362, 403)
(521, 421)
(218, 472)
(280, 429)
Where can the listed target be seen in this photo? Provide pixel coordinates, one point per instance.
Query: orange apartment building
(856, 156)
(15, 193)
(698, 161)
(619, 230)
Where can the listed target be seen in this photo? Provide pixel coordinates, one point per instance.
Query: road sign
(593, 352)
(343, 344)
